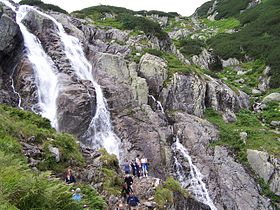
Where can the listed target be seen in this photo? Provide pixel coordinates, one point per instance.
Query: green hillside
(257, 35)
(23, 188)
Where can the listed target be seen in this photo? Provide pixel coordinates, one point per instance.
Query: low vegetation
(258, 38)
(43, 6)
(23, 188)
(164, 194)
(259, 137)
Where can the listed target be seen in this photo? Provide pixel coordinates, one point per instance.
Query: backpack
(133, 201)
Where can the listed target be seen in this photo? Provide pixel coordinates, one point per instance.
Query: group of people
(138, 167)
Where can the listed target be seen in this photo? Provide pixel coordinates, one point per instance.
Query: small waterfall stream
(158, 104)
(100, 132)
(192, 181)
(14, 89)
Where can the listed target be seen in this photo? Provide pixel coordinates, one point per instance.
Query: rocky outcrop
(193, 93)
(266, 167)
(154, 70)
(11, 46)
(208, 60)
(272, 97)
(186, 92)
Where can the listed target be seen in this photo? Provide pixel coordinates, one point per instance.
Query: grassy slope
(258, 37)
(22, 188)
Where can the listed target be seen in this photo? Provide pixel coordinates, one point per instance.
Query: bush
(190, 47)
(43, 6)
(164, 194)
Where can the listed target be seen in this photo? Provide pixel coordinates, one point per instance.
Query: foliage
(249, 123)
(112, 183)
(271, 112)
(164, 194)
(21, 188)
(267, 192)
(123, 19)
(230, 8)
(159, 13)
(259, 38)
(43, 6)
(109, 161)
(190, 47)
(222, 25)
(202, 11)
(154, 52)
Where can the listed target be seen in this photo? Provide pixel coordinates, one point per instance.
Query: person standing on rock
(138, 165)
(133, 167)
(144, 165)
(69, 179)
(126, 167)
(129, 181)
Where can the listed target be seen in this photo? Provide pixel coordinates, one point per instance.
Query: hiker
(132, 200)
(125, 191)
(133, 167)
(144, 165)
(129, 181)
(138, 165)
(77, 196)
(69, 179)
(120, 206)
(126, 167)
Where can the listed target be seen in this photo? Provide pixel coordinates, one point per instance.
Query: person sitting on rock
(132, 200)
(69, 179)
(77, 195)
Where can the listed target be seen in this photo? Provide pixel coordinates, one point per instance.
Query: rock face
(154, 70)
(11, 45)
(208, 60)
(193, 93)
(266, 167)
(142, 128)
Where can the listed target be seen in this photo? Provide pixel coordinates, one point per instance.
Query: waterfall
(193, 180)
(158, 104)
(45, 74)
(99, 132)
(14, 89)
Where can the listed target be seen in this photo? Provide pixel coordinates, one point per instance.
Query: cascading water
(192, 181)
(44, 71)
(159, 106)
(100, 132)
(14, 90)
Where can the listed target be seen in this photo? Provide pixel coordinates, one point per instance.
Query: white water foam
(100, 132)
(192, 181)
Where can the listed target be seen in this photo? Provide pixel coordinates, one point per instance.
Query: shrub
(43, 6)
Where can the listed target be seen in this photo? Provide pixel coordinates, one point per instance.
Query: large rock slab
(154, 70)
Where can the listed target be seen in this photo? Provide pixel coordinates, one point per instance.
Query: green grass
(257, 38)
(259, 137)
(22, 188)
(43, 6)
(222, 25)
(164, 193)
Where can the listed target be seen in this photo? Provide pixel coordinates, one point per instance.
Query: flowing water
(44, 72)
(100, 132)
(14, 90)
(191, 180)
(158, 104)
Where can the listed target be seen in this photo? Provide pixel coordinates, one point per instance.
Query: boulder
(208, 60)
(55, 152)
(154, 70)
(187, 93)
(273, 97)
